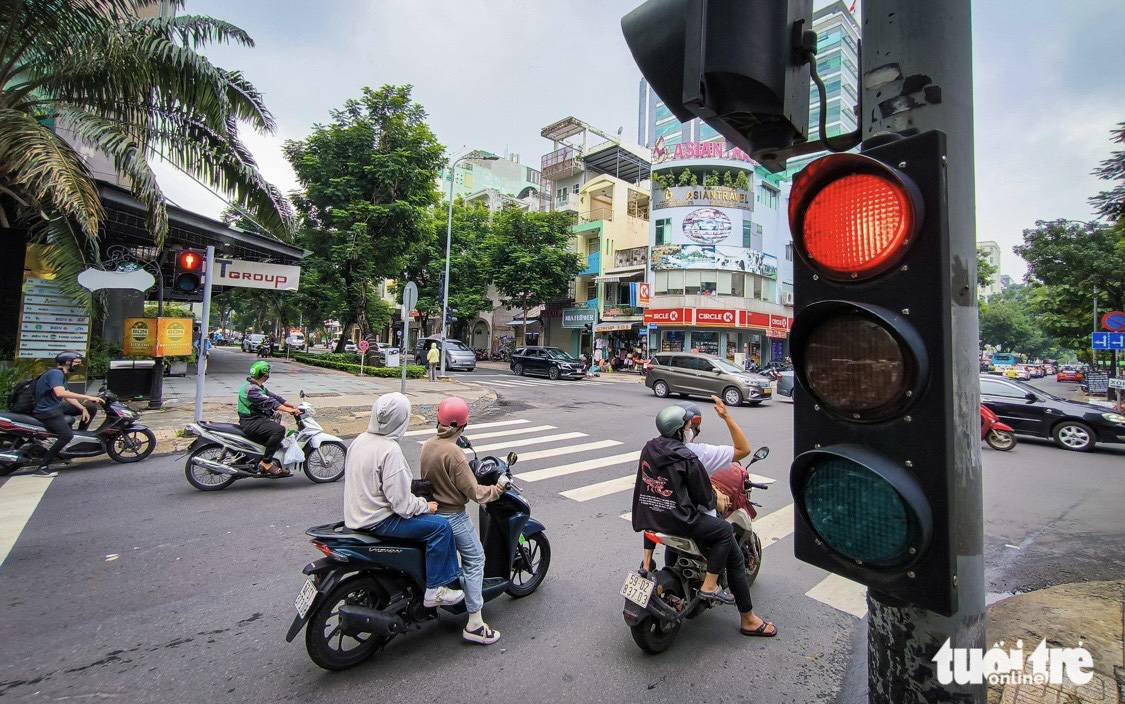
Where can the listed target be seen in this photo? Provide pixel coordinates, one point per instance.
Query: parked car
(693, 374)
(1050, 370)
(1030, 411)
(785, 382)
(350, 346)
(250, 342)
(551, 362)
(296, 340)
(1069, 374)
(457, 355)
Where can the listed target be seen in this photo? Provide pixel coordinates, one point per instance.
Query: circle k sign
(713, 316)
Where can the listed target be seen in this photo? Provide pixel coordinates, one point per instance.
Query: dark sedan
(785, 383)
(1072, 425)
(549, 361)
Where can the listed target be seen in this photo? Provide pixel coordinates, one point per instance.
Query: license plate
(637, 589)
(767, 392)
(305, 597)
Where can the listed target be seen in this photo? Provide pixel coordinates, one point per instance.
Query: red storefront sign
(775, 323)
(644, 291)
(716, 316)
(669, 316)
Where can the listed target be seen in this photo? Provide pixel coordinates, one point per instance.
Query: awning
(521, 323)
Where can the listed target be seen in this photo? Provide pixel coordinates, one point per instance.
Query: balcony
(561, 164)
(569, 204)
(595, 214)
(621, 311)
(593, 265)
(624, 258)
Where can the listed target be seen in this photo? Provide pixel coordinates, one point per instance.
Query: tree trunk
(523, 329)
(361, 312)
(346, 326)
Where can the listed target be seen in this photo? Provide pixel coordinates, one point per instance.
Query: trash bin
(129, 378)
(392, 357)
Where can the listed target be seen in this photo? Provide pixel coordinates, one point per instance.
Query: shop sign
(697, 150)
(695, 196)
(140, 337)
(644, 294)
(691, 256)
(50, 320)
(236, 272)
(669, 316)
(173, 337)
(612, 327)
(579, 317)
(716, 316)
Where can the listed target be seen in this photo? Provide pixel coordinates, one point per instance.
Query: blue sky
(492, 73)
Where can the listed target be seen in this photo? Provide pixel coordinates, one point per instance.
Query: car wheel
(1072, 435)
(553, 373)
(732, 396)
(517, 369)
(661, 389)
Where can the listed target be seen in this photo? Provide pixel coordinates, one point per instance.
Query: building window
(663, 231)
(591, 290)
(756, 240)
(768, 196)
(691, 282)
(746, 234)
(789, 252)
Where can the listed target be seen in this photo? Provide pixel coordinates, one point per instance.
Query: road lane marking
(568, 450)
(522, 442)
(758, 527)
(774, 526)
(18, 498)
(759, 479)
(494, 424)
(841, 594)
(564, 469)
(506, 433)
(596, 491)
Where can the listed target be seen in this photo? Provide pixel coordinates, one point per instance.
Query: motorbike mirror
(463, 442)
(512, 457)
(302, 393)
(761, 453)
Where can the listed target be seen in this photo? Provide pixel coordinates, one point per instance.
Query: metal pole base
(156, 390)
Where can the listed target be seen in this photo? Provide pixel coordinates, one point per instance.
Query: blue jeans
(441, 555)
(472, 558)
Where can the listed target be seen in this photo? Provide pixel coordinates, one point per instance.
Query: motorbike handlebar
(755, 485)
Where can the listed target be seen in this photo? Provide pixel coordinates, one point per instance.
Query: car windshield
(727, 366)
(556, 353)
(1038, 392)
(455, 345)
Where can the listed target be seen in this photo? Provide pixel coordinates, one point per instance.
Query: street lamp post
(448, 242)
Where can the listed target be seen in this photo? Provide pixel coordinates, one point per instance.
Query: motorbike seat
(23, 419)
(230, 428)
(339, 534)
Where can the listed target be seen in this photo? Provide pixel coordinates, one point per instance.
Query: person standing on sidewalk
(53, 403)
(444, 465)
(433, 358)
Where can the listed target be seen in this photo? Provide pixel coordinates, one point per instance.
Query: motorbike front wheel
(653, 635)
(1000, 440)
(326, 463)
(327, 644)
(753, 553)
(201, 477)
(131, 445)
(533, 557)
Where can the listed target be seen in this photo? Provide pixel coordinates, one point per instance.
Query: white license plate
(637, 589)
(305, 597)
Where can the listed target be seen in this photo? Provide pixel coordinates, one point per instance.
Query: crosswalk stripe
(567, 450)
(18, 498)
(565, 469)
(759, 479)
(841, 594)
(596, 491)
(522, 442)
(774, 526)
(493, 424)
(504, 433)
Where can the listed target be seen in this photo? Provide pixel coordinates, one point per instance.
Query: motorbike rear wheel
(324, 634)
(202, 478)
(131, 445)
(653, 636)
(1000, 440)
(533, 557)
(326, 463)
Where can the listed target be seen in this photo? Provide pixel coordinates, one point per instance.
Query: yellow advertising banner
(140, 337)
(173, 337)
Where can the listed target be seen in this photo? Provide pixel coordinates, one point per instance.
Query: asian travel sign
(692, 196)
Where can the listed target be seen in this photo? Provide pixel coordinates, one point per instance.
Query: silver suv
(692, 374)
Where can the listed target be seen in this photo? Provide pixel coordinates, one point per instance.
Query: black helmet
(66, 357)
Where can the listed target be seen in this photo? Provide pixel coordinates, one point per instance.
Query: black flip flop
(760, 631)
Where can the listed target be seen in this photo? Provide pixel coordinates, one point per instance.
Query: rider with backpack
(53, 403)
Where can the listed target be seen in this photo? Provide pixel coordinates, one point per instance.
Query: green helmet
(259, 370)
(672, 419)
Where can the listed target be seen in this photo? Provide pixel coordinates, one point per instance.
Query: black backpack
(22, 398)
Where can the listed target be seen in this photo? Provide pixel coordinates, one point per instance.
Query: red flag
(852, 8)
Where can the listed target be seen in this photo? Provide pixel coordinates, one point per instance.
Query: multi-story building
(506, 176)
(991, 252)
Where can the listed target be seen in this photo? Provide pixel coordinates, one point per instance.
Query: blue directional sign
(1117, 340)
(1107, 340)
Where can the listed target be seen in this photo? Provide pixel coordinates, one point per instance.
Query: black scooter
(368, 589)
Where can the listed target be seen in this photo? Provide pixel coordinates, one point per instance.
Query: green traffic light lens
(859, 514)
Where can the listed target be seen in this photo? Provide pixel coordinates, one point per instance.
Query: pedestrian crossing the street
(582, 469)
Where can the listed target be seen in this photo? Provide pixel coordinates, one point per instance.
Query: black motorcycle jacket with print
(671, 483)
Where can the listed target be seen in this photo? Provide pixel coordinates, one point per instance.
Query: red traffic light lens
(853, 217)
(189, 260)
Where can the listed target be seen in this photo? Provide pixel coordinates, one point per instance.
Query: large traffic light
(187, 277)
(872, 346)
(740, 66)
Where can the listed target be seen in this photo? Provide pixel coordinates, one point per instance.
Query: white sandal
(483, 635)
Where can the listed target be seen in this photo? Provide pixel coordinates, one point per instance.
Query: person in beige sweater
(444, 465)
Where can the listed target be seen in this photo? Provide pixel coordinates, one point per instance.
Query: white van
(295, 340)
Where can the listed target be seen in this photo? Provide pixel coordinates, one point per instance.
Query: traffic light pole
(916, 75)
(201, 359)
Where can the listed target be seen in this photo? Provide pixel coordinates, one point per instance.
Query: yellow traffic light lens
(858, 514)
(855, 366)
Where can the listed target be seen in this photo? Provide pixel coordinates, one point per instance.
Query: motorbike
(24, 440)
(481, 354)
(222, 454)
(658, 603)
(263, 350)
(367, 589)
(997, 434)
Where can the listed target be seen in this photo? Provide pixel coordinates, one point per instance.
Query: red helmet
(453, 412)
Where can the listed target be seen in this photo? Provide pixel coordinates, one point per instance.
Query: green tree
(468, 264)
(985, 271)
(687, 178)
(742, 181)
(728, 180)
(368, 181)
(1111, 204)
(532, 261)
(1008, 321)
(130, 89)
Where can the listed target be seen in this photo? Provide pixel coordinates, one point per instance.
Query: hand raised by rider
(720, 408)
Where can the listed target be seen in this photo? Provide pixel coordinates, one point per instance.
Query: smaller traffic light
(188, 276)
(450, 316)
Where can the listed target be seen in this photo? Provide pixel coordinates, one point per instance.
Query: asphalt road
(126, 584)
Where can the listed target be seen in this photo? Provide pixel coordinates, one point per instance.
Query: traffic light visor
(860, 362)
(853, 217)
(863, 508)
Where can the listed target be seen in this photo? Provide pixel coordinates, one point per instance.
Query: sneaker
(722, 596)
(483, 635)
(443, 596)
(44, 472)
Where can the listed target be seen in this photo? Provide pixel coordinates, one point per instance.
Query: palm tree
(134, 89)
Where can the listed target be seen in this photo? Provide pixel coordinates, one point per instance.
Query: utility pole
(916, 75)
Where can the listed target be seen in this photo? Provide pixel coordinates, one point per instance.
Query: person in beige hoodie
(444, 465)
